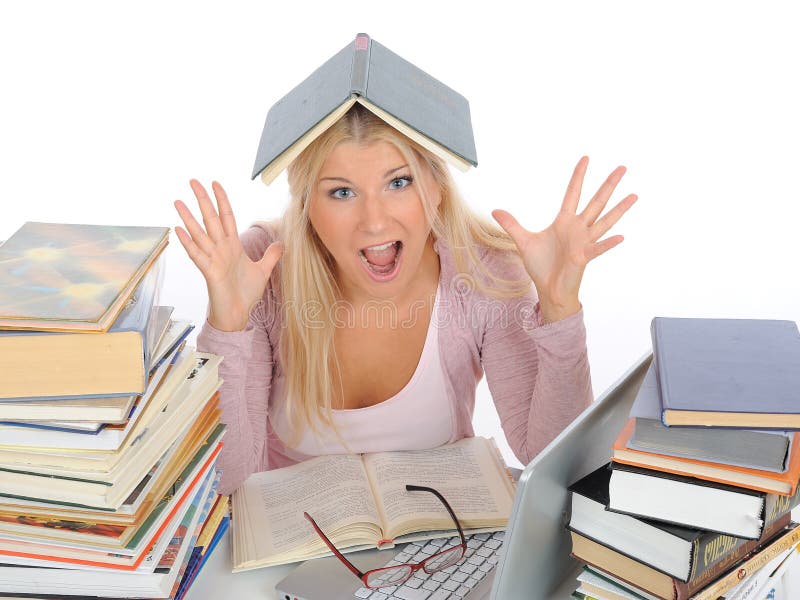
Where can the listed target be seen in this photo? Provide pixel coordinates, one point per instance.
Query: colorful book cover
(71, 277)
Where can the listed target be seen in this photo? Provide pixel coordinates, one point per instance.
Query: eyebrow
(385, 175)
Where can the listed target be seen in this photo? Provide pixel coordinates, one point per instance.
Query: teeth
(381, 247)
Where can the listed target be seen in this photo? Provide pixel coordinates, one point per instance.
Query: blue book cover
(728, 372)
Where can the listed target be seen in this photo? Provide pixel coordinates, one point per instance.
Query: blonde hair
(307, 277)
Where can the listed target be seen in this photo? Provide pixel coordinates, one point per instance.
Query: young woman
(364, 318)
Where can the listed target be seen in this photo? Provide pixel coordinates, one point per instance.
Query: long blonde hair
(307, 280)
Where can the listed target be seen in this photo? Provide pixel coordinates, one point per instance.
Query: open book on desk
(360, 501)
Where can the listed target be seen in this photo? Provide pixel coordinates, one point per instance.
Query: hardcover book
(682, 553)
(407, 98)
(42, 365)
(728, 372)
(67, 277)
(644, 577)
(764, 449)
(766, 481)
(693, 502)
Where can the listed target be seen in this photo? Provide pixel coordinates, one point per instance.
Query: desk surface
(216, 580)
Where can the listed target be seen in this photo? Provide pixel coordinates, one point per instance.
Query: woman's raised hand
(235, 282)
(556, 257)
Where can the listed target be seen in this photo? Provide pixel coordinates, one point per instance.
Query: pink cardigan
(538, 374)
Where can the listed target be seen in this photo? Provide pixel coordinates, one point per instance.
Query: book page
(332, 489)
(468, 474)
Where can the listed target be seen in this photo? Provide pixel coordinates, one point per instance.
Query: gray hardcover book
(763, 449)
(728, 372)
(409, 99)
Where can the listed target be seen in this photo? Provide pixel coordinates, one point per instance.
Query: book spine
(751, 565)
(359, 77)
(658, 366)
(776, 505)
(723, 561)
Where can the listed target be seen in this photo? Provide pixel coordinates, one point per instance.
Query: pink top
(538, 374)
(394, 423)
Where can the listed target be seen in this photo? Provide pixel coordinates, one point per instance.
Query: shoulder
(483, 267)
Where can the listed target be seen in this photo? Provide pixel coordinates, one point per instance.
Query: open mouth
(382, 259)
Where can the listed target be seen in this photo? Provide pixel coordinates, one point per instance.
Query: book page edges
(271, 171)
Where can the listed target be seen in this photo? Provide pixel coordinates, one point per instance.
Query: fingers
(210, 217)
(603, 246)
(573, 194)
(199, 236)
(225, 210)
(197, 256)
(602, 225)
(511, 226)
(600, 199)
(270, 259)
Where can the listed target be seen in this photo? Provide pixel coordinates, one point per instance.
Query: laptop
(533, 555)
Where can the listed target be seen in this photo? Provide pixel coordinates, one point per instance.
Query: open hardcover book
(360, 501)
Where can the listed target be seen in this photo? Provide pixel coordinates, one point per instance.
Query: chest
(378, 361)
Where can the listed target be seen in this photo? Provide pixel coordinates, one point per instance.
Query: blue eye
(346, 193)
(403, 180)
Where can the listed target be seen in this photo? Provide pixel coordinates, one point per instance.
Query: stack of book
(109, 422)
(696, 501)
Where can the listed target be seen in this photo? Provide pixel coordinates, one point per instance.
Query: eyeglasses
(397, 574)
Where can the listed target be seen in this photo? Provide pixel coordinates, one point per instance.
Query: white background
(107, 111)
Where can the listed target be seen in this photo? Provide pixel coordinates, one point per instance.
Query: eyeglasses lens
(444, 559)
(388, 576)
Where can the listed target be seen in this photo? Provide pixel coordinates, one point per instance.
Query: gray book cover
(727, 365)
(751, 448)
(367, 69)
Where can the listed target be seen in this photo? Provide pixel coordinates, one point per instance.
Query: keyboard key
(474, 543)
(450, 585)
(486, 567)
(485, 552)
(493, 543)
(363, 592)
(406, 593)
(475, 560)
(431, 585)
(499, 535)
(483, 536)
(467, 569)
(440, 594)
(459, 576)
(378, 596)
(462, 591)
(414, 582)
(440, 576)
(471, 582)
(439, 542)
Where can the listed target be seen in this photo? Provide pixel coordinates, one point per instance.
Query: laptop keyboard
(451, 583)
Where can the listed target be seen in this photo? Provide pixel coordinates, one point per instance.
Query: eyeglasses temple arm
(333, 549)
(422, 488)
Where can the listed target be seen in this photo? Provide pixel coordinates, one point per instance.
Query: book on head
(416, 104)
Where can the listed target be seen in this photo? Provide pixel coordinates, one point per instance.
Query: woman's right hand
(235, 282)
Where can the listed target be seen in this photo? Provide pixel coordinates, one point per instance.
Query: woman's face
(367, 210)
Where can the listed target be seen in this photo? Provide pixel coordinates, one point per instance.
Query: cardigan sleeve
(246, 371)
(538, 374)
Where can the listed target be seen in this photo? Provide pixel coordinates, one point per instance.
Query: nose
(373, 217)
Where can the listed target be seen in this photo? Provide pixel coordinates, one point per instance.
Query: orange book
(765, 481)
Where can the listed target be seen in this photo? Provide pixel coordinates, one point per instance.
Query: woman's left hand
(556, 257)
